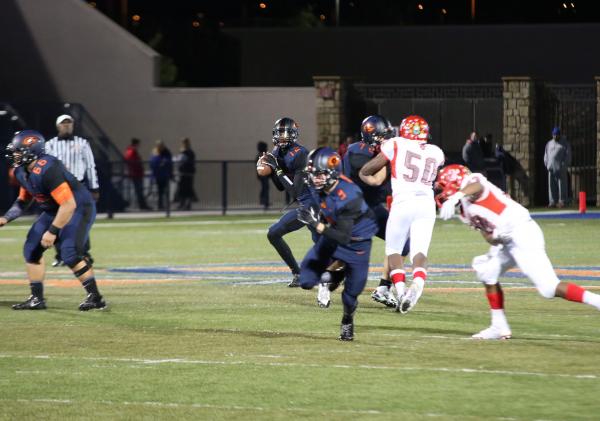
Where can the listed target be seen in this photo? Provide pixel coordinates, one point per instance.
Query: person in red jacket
(135, 169)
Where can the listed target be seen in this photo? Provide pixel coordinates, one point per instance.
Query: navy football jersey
(49, 184)
(293, 162)
(356, 157)
(345, 210)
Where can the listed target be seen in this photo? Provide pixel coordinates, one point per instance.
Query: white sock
(591, 299)
(400, 288)
(499, 320)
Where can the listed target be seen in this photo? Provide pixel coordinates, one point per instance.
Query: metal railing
(218, 186)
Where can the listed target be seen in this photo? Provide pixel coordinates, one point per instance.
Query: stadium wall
(91, 60)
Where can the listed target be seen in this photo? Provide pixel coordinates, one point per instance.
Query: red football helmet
(414, 127)
(448, 182)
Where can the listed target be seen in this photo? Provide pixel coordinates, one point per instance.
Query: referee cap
(64, 117)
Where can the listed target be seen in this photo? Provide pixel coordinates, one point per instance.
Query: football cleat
(295, 282)
(91, 302)
(346, 332)
(493, 333)
(386, 298)
(409, 300)
(323, 296)
(57, 263)
(32, 303)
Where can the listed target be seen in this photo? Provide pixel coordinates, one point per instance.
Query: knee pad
(70, 258)
(273, 233)
(485, 269)
(547, 289)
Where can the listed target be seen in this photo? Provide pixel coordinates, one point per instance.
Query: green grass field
(193, 332)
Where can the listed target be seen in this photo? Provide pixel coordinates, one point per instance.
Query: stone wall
(519, 132)
(331, 93)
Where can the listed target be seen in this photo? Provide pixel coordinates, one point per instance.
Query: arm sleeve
(57, 185)
(90, 167)
(342, 231)
(294, 187)
(546, 156)
(277, 183)
(18, 206)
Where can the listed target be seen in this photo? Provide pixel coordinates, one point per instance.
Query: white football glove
(447, 209)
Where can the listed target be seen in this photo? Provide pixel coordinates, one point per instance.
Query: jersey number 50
(412, 161)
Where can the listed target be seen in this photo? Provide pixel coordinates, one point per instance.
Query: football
(263, 169)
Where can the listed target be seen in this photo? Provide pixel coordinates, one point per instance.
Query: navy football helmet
(375, 129)
(285, 132)
(25, 147)
(324, 168)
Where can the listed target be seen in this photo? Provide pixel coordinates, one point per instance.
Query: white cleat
(493, 333)
(409, 300)
(385, 298)
(324, 296)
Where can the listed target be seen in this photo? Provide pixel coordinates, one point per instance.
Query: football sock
(90, 285)
(419, 273)
(385, 283)
(399, 279)
(37, 288)
(496, 301)
(591, 299)
(347, 319)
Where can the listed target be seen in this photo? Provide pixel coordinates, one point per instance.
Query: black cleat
(347, 332)
(295, 282)
(92, 301)
(32, 303)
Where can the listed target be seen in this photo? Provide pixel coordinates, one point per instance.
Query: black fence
(218, 186)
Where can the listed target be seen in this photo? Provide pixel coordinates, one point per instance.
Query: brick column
(331, 93)
(597, 141)
(519, 121)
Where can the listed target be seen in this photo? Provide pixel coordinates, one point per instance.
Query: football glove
(270, 160)
(447, 209)
(308, 216)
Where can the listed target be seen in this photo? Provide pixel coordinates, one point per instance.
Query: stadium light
(136, 18)
(262, 5)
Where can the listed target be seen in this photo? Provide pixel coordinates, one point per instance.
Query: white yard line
(464, 370)
(157, 404)
(157, 224)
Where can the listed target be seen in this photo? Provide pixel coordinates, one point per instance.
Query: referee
(76, 155)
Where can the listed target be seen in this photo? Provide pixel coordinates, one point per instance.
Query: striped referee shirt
(76, 154)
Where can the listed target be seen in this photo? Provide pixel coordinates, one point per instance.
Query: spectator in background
(186, 168)
(557, 157)
(263, 197)
(343, 147)
(493, 163)
(76, 155)
(161, 164)
(472, 154)
(135, 172)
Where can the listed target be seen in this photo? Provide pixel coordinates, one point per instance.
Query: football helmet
(375, 129)
(25, 147)
(324, 168)
(285, 132)
(414, 127)
(448, 182)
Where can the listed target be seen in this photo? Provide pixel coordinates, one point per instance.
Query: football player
(515, 238)
(345, 224)
(375, 130)
(68, 212)
(414, 164)
(287, 162)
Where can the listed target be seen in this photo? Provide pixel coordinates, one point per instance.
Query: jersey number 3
(411, 163)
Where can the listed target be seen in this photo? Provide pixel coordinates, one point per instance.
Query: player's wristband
(54, 230)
